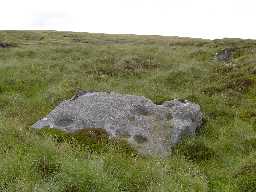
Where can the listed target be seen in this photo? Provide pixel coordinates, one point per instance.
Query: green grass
(43, 68)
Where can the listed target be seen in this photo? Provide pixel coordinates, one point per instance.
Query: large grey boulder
(149, 128)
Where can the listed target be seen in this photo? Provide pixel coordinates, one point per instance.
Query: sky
(209, 19)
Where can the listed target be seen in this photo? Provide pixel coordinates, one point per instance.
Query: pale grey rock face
(149, 128)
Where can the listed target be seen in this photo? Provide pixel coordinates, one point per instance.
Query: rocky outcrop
(5, 45)
(225, 54)
(149, 128)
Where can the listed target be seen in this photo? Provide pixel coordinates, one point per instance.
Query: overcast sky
(191, 18)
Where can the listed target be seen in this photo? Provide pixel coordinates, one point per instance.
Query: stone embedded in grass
(149, 128)
(5, 45)
(225, 54)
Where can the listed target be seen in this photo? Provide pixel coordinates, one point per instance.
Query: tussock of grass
(246, 178)
(196, 151)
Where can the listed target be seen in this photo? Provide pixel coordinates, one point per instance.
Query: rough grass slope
(40, 69)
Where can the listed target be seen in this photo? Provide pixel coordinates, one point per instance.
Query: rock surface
(149, 128)
(5, 45)
(225, 54)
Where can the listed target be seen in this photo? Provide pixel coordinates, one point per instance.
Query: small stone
(224, 55)
(5, 45)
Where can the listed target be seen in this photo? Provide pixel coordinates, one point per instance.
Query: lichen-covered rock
(149, 128)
